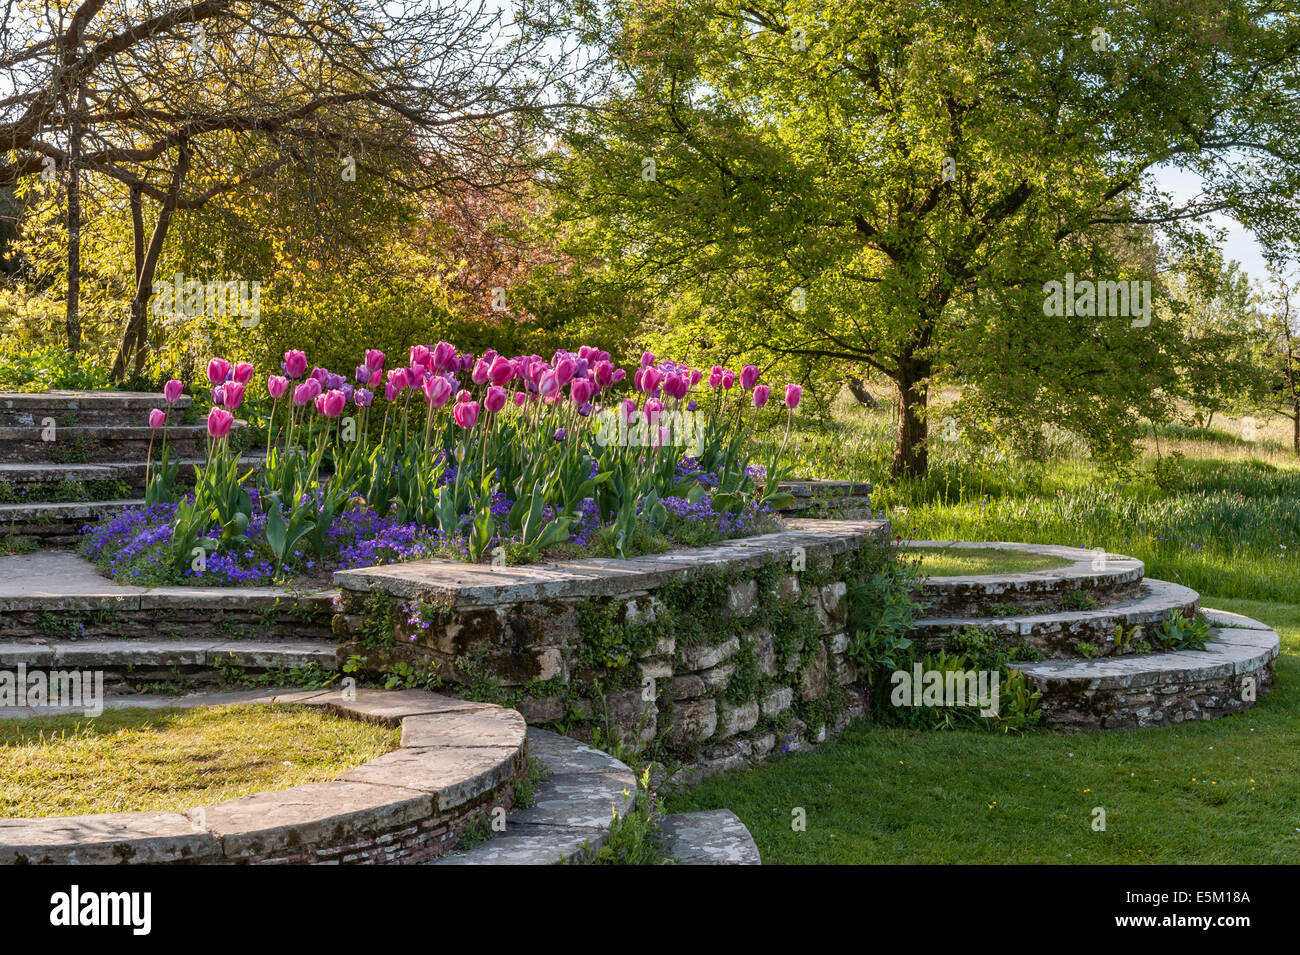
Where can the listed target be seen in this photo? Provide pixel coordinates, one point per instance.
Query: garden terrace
(725, 653)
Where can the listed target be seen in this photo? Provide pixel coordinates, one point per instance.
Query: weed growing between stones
(635, 837)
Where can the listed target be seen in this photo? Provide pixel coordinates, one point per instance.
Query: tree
(182, 103)
(893, 184)
(1282, 321)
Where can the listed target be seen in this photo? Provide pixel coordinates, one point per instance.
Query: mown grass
(1224, 519)
(1222, 792)
(952, 562)
(141, 759)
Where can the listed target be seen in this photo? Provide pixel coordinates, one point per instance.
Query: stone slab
(712, 837)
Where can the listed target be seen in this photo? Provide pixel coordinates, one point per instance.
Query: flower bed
(525, 459)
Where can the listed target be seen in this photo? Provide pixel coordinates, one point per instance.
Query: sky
(1240, 245)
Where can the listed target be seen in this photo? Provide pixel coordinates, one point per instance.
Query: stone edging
(456, 759)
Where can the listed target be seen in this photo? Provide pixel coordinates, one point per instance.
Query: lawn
(956, 562)
(140, 759)
(1224, 791)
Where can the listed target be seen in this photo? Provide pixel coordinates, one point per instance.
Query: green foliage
(1079, 599)
(634, 836)
(37, 367)
(1179, 632)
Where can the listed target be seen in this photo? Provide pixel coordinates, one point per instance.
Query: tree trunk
(72, 312)
(911, 453)
(136, 334)
(1295, 426)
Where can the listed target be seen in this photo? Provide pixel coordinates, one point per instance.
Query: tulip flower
(480, 373)
(375, 360)
(437, 390)
(650, 378)
(548, 385)
(331, 403)
(582, 390)
(219, 422)
(376, 377)
(647, 359)
(676, 386)
(519, 399)
(495, 400)
(465, 414)
(792, 395)
(295, 365)
(320, 374)
(619, 375)
(760, 395)
(627, 409)
(218, 369)
(361, 374)
(242, 372)
(362, 398)
(157, 419)
(218, 395)
(276, 386)
(420, 355)
(172, 391)
(565, 369)
(748, 376)
(715, 376)
(233, 394)
(443, 357)
(306, 392)
(399, 379)
(728, 378)
(603, 372)
(653, 409)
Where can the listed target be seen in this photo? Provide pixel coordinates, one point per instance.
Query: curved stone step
(711, 837)
(1158, 689)
(457, 760)
(1106, 577)
(18, 409)
(571, 815)
(1059, 634)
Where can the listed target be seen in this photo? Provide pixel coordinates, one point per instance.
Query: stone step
(1107, 578)
(85, 408)
(56, 523)
(571, 815)
(96, 444)
(1159, 689)
(130, 662)
(711, 837)
(20, 473)
(1058, 635)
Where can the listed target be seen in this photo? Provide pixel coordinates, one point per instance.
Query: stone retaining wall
(719, 654)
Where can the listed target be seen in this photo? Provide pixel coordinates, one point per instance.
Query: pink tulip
(375, 360)
(728, 378)
(582, 390)
(760, 395)
(519, 399)
(218, 368)
(306, 392)
(653, 409)
(565, 369)
(603, 372)
(628, 409)
(501, 371)
(480, 373)
(157, 419)
(792, 395)
(463, 395)
(219, 422)
(676, 386)
(437, 390)
(465, 414)
(548, 385)
(619, 375)
(331, 403)
(650, 378)
(444, 357)
(715, 376)
(496, 399)
(647, 359)
(399, 379)
(233, 394)
(420, 355)
(243, 372)
(748, 376)
(696, 375)
(172, 391)
(295, 365)
(276, 386)
(376, 377)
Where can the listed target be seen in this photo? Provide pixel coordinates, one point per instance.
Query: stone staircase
(1089, 628)
(87, 438)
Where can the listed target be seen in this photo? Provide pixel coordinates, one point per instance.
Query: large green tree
(892, 184)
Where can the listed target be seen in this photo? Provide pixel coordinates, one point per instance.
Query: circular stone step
(1059, 634)
(457, 760)
(1159, 689)
(1103, 576)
